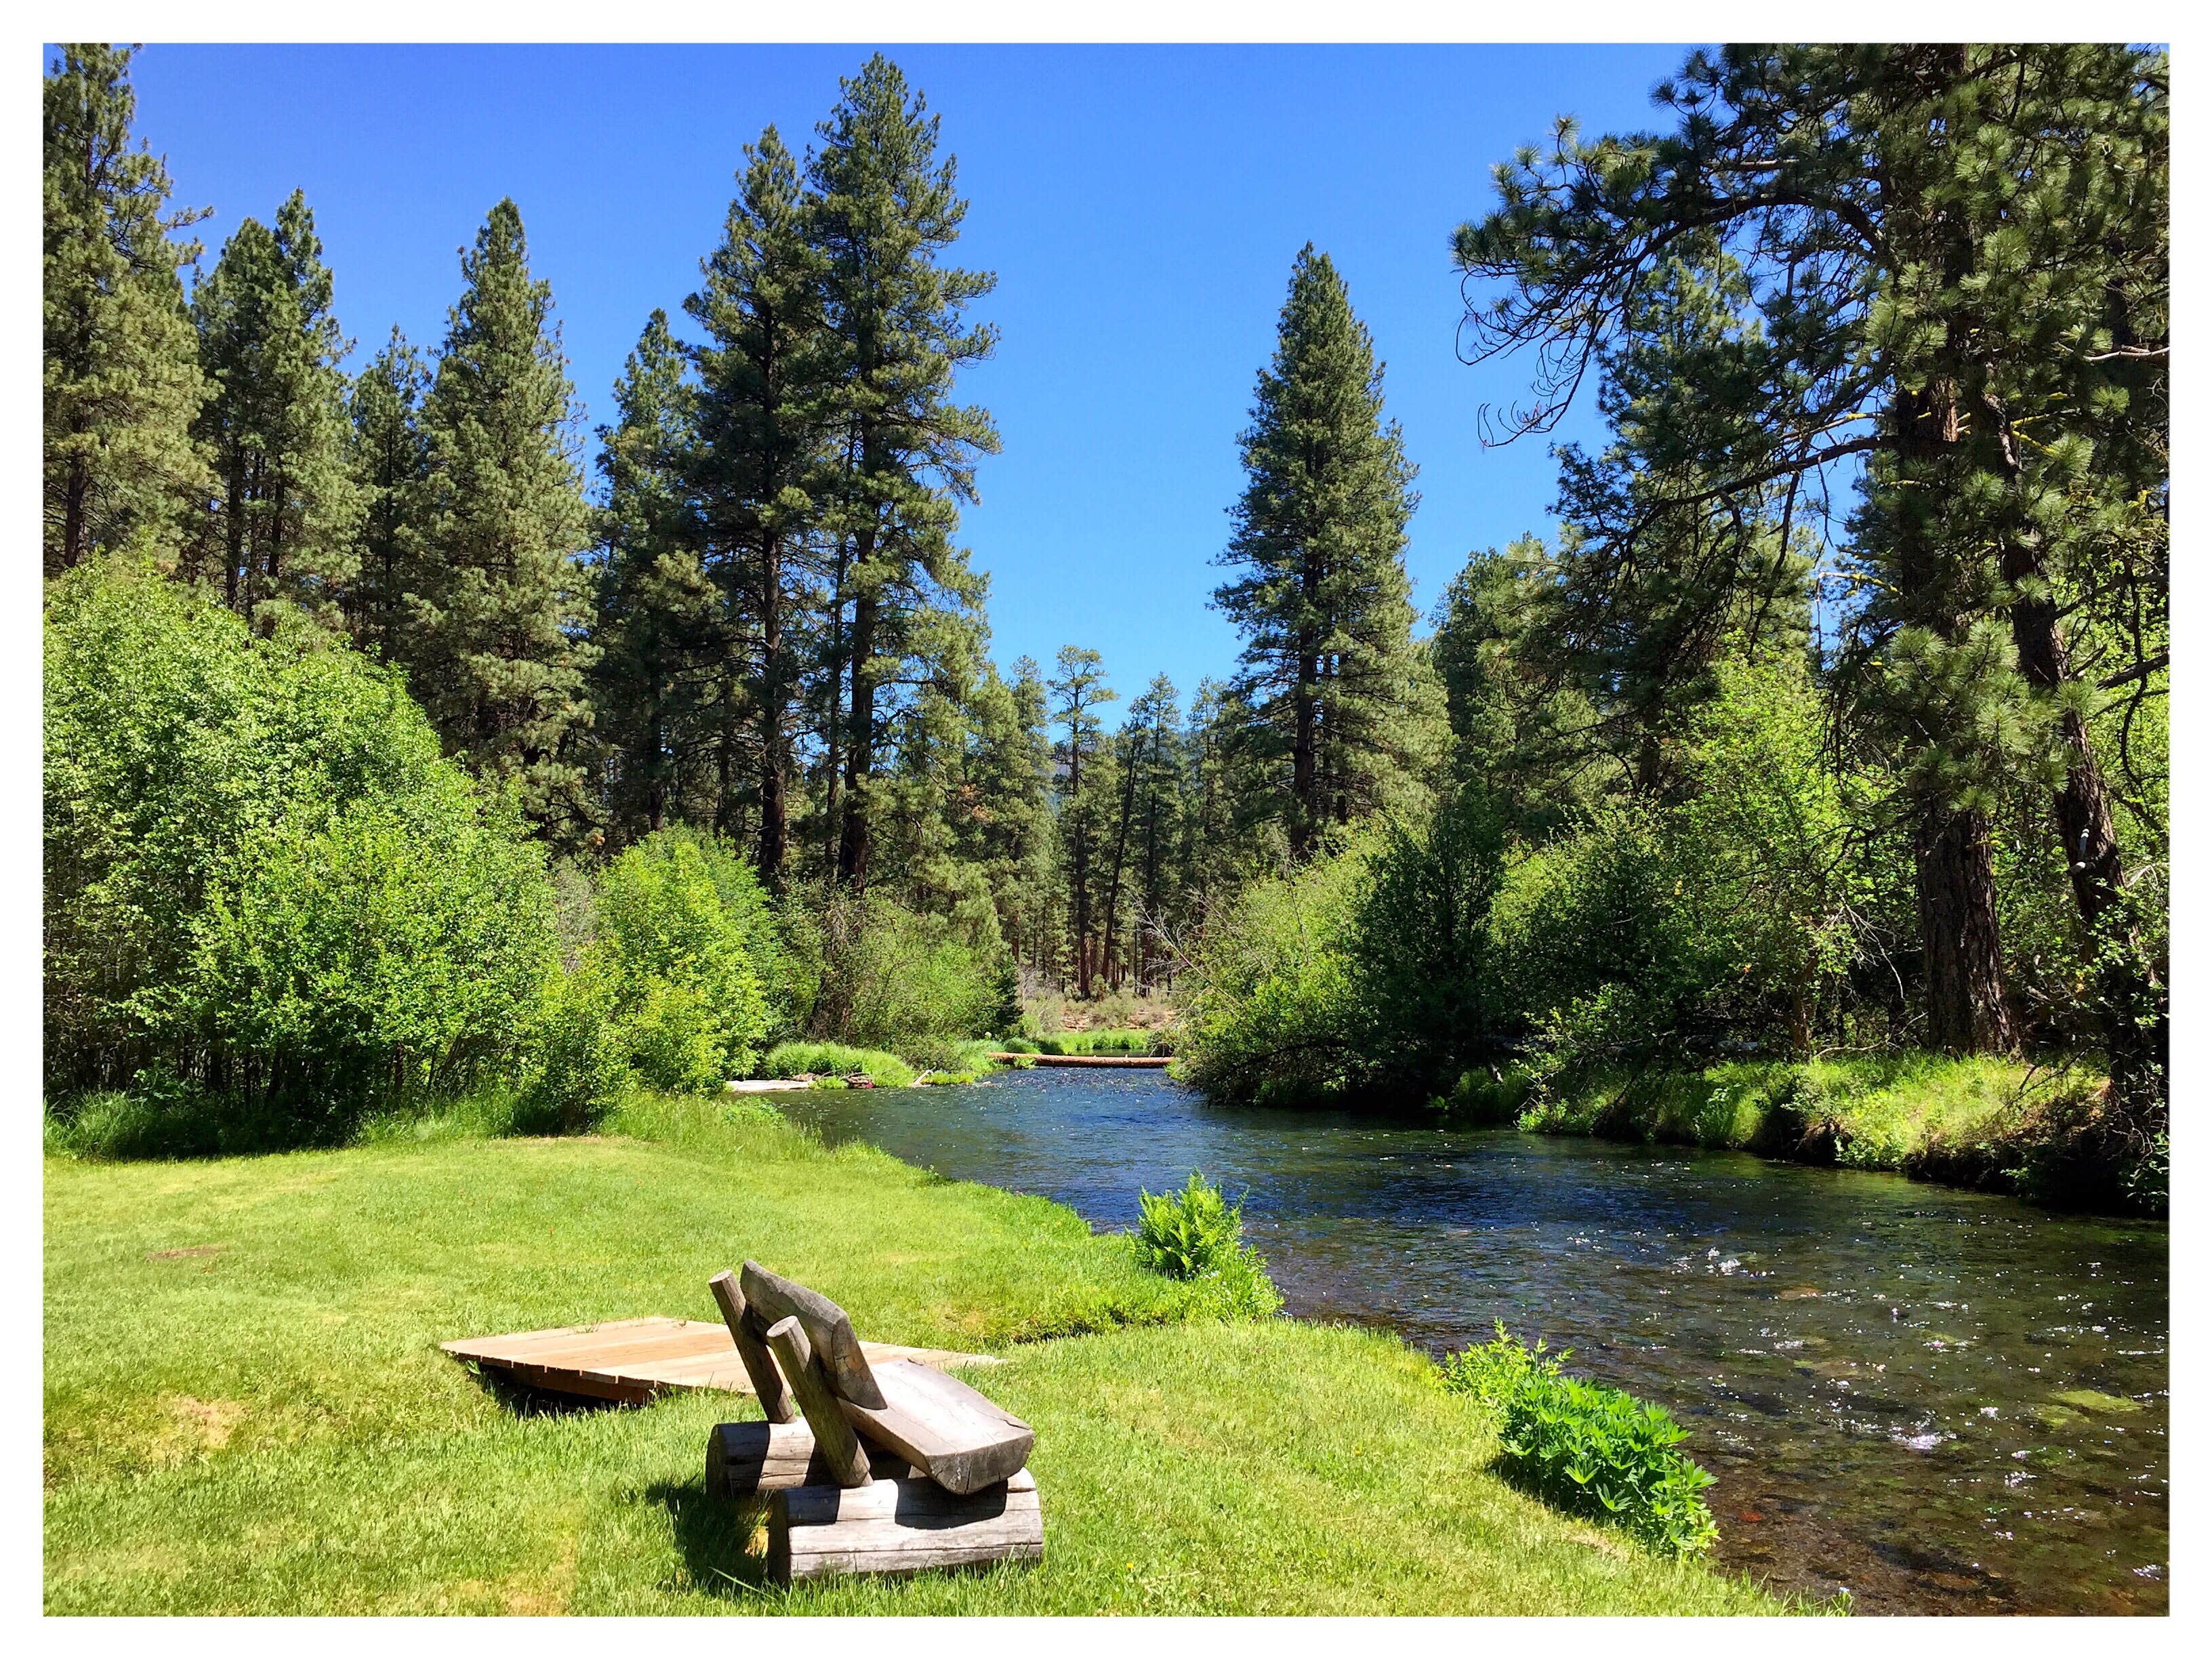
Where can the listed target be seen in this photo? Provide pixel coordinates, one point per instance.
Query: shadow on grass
(724, 1543)
(523, 1400)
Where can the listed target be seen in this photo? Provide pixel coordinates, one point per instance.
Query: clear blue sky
(1141, 207)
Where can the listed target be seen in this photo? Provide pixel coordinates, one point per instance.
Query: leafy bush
(887, 976)
(1197, 1235)
(1370, 972)
(672, 942)
(1591, 1450)
(1272, 1011)
(271, 905)
(838, 1060)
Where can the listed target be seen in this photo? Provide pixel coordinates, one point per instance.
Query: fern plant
(1198, 1234)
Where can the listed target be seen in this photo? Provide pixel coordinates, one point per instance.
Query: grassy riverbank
(272, 1429)
(1986, 1123)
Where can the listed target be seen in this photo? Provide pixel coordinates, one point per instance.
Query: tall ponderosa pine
(1959, 254)
(390, 459)
(1078, 691)
(658, 680)
(121, 375)
(884, 211)
(1322, 599)
(757, 470)
(494, 644)
(286, 510)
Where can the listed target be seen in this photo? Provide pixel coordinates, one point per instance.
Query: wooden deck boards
(636, 1359)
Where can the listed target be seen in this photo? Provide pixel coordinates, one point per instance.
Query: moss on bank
(1990, 1124)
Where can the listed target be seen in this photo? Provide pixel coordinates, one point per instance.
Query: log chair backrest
(770, 1299)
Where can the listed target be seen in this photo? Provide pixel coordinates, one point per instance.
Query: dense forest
(390, 756)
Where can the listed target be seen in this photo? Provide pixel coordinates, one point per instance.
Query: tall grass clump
(805, 1057)
(1590, 1449)
(1197, 1235)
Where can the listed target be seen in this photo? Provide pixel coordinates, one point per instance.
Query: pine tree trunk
(860, 740)
(73, 517)
(2132, 1008)
(1961, 959)
(1304, 779)
(774, 826)
(1961, 955)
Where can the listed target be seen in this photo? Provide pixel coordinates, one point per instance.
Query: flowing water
(1944, 1401)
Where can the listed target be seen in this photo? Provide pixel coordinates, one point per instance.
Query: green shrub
(272, 907)
(888, 976)
(579, 1058)
(1591, 1450)
(674, 948)
(1198, 1236)
(838, 1060)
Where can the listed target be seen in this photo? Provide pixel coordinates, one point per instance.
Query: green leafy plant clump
(1591, 1450)
(1125, 1042)
(1198, 1234)
(836, 1059)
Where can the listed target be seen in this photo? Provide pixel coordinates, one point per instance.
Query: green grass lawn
(246, 1410)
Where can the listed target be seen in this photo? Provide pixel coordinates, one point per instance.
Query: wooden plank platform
(638, 1359)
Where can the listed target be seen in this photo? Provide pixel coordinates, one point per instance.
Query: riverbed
(1942, 1402)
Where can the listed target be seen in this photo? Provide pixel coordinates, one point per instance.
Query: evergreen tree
(996, 803)
(1155, 804)
(391, 465)
(1945, 242)
(287, 510)
(757, 470)
(883, 212)
(1656, 582)
(1232, 829)
(658, 631)
(494, 637)
(1078, 691)
(122, 376)
(1521, 720)
(1321, 596)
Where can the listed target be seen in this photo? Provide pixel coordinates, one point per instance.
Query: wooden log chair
(890, 1468)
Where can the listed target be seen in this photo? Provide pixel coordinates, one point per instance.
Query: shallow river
(1948, 1403)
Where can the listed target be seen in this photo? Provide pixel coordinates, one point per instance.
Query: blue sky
(1141, 207)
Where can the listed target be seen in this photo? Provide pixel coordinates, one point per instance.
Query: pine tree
(1950, 245)
(391, 460)
(658, 630)
(494, 649)
(1656, 581)
(999, 807)
(287, 510)
(757, 469)
(122, 376)
(883, 211)
(1078, 691)
(1322, 598)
